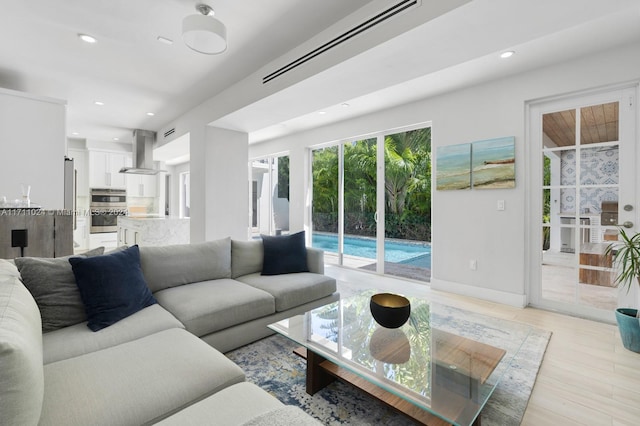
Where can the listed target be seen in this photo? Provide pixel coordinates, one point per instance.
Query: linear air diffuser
(347, 35)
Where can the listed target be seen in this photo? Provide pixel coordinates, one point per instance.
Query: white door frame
(626, 94)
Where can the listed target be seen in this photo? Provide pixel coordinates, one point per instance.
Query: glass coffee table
(439, 368)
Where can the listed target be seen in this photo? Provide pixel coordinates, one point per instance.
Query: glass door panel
(583, 179)
(325, 202)
(360, 248)
(407, 157)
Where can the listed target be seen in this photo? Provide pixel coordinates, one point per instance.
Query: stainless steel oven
(105, 206)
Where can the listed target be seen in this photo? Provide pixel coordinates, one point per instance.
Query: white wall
(219, 184)
(32, 147)
(466, 224)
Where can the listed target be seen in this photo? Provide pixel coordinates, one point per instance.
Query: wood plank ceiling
(598, 123)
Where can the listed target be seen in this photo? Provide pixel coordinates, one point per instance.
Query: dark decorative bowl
(390, 310)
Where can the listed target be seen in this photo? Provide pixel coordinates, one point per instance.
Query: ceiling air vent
(169, 132)
(358, 29)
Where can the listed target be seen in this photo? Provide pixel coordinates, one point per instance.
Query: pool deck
(395, 269)
(402, 270)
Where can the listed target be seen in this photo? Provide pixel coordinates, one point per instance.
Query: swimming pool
(408, 253)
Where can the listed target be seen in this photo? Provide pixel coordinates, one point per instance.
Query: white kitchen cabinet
(80, 164)
(142, 185)
(104, 169)
(127, 236)
(108, 240)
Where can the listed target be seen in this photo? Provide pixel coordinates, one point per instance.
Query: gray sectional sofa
(165, 362)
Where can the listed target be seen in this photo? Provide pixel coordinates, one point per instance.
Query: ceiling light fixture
(507, 54)
(87, 38)
(203, 33)
(150, 114)
(99, 103)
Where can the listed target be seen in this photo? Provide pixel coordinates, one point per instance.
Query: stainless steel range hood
(142, 154)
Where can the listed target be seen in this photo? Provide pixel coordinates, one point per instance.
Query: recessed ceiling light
(164, 40)
(345, 105)
(116, 139)
(322, 112)
(150, 114)
(75, 133)
(99, 103)
(87, 38)
(507, 54)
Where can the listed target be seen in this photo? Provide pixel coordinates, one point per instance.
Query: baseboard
(511, 299)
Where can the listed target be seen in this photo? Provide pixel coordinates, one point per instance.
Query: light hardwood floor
(587, 377)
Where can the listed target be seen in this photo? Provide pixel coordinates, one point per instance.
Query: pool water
(408, 253)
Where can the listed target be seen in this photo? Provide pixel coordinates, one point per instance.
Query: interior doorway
(583, 184)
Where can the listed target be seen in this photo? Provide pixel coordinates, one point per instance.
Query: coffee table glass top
(444, 360)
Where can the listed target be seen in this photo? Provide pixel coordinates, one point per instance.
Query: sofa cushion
(284, 254)
(246, 257)
(78, 340)
(21, 372)
(229, 405)
(135, 383)
(53, 286)
(112, 286)
(289, 415)
(209, 306)
(179, 264)
(291, 290)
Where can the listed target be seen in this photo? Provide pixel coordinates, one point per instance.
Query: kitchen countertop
(153, 230)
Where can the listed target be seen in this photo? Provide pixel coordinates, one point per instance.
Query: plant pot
(629, 327)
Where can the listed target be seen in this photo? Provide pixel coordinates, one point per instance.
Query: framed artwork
(453, 164)
(493, 163)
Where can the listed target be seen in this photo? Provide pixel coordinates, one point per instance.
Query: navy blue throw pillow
(112, 286)
(284, 254)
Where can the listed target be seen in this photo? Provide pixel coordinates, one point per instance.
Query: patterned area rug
(271, 364)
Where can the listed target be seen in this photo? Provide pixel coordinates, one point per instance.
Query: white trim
(381, 204)
(19, 94)
(511, 299)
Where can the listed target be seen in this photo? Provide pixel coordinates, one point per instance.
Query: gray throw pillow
(53, 286)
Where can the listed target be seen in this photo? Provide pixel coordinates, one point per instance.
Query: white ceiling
(456, 50)
(128, 69)
(133, 73)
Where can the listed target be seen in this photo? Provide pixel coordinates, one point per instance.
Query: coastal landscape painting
(493, 163)
(453, 164)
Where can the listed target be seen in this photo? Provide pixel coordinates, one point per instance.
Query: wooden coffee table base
(321, 372)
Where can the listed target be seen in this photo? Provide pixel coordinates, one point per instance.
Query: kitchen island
(152, 230)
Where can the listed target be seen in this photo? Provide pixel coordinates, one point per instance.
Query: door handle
(628, 224)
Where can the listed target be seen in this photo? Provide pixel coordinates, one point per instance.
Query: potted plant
(626, 257)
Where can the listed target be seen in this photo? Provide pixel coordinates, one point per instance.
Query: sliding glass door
(371, 204)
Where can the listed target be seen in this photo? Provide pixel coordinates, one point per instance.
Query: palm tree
(404, 152)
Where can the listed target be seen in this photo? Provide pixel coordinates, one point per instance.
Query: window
(185, 195)
(270, 195)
